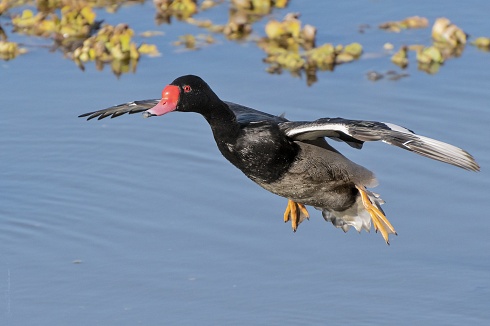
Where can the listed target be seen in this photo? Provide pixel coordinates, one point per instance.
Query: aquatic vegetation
(400, 58)
(149, 49)
(448, 42)
(180, 9)
(288, 34)
(243, 13)
(322, 57)
(447, 34)
(239, 25)
(108, 44)
(112, 44)
(192, 42)
(409, 22)
(288, 43)
(29, 23)
(259, 7)
(348, 53)
(290, 46)
(483, 43)
(76, 21)
(10, 50)
(73, 27)
(110, 5)
(284, 43)
(5, 5)
(325, 57)
(429, 59)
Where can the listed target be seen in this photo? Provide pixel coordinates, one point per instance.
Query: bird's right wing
(117, 110)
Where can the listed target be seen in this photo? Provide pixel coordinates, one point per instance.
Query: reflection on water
(135, 220)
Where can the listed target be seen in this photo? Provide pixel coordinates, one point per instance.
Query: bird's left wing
(356, 132)
(245, 115)
(117, 110)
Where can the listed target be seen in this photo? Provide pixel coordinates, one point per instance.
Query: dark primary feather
(358, 131)
(117, 110)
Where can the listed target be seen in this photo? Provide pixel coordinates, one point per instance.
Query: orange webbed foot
(380, 222)
(296, 212)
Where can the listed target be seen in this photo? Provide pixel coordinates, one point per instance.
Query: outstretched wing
(115, 111)
(356, 132)
(245, 115)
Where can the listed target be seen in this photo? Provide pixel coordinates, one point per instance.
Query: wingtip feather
(449, 154)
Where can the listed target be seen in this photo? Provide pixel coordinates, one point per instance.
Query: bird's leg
(379, 219)
(296, 212)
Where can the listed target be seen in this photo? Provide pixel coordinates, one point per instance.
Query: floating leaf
(447, 33)
(192, 42)
(9, 50)
(88, 15)
(430, 55)
(274, 29)
(482, 43)
(181, 9)
(26, 19)
(323, 56)
(388, 46)
(149, 49)
(354, 49)
(125, 41)
(133, 52)
(281, 3)
(409, 22)
(238, 26)
(401, 57)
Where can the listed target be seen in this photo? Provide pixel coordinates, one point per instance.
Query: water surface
(141, 221)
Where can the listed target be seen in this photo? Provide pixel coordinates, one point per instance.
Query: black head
(186, 94)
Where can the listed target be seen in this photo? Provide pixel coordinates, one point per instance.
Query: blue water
(141, 221)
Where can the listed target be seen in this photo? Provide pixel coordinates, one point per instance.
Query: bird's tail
(360, 214)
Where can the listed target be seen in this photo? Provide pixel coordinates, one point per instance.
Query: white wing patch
(395, 127)
(317, 131)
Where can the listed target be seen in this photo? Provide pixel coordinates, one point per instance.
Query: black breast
(261, 151)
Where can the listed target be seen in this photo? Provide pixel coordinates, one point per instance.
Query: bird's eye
(187, 88)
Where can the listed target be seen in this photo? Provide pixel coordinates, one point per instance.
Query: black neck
(222, 121)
